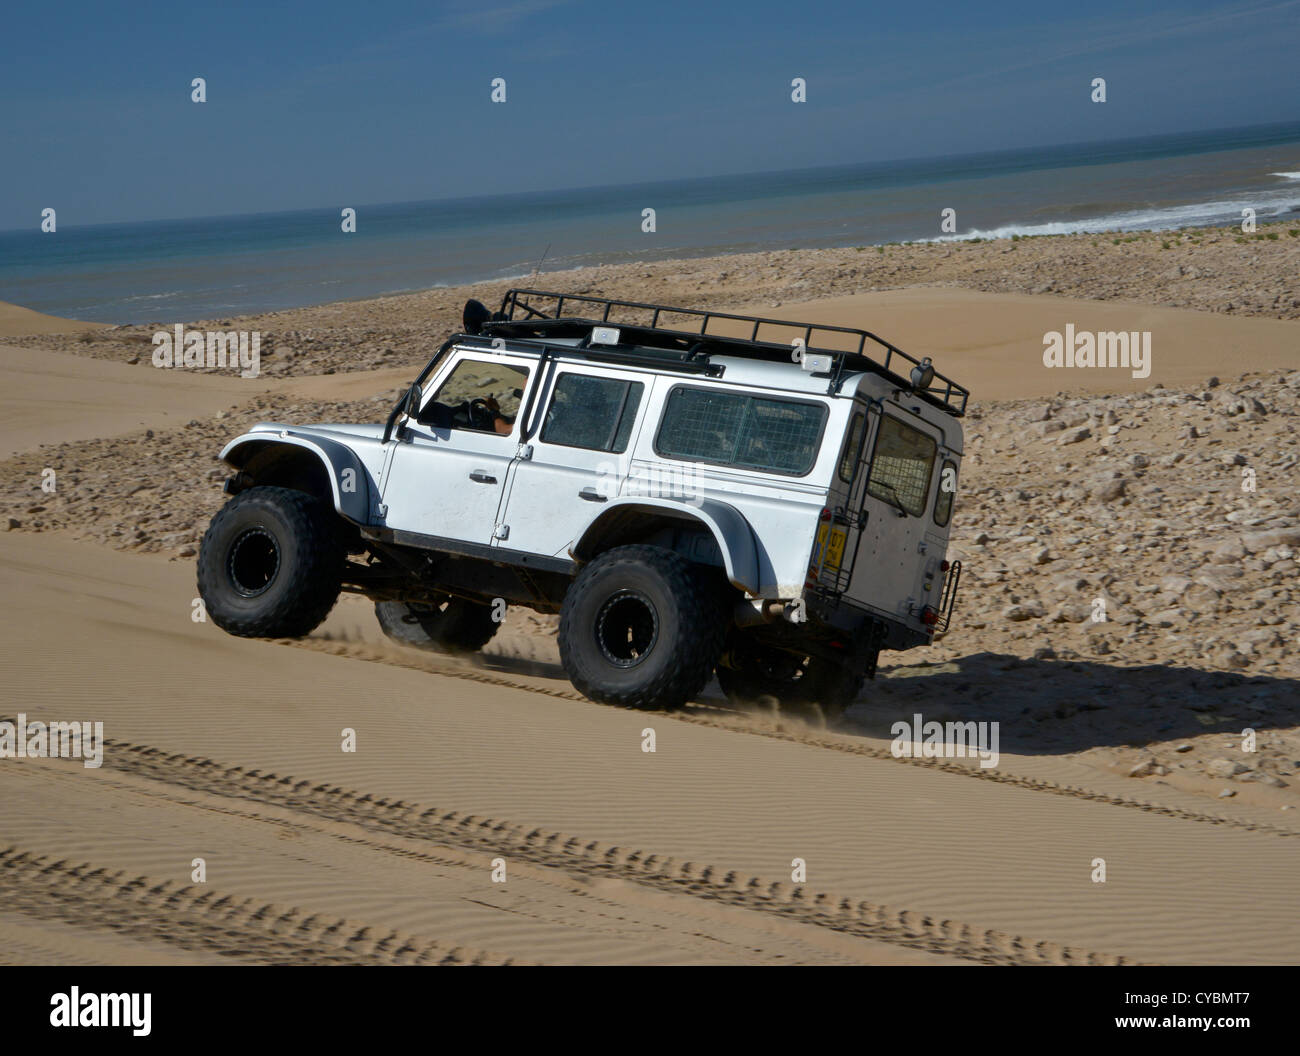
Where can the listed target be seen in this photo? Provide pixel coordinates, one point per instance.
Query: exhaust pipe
(754, 613)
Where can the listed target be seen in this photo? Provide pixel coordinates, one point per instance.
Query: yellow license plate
(835, 551)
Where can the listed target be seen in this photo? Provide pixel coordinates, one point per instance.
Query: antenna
(539, 263)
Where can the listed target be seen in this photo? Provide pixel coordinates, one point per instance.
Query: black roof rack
(540, 314)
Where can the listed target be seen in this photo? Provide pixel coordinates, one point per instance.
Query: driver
(500, 423)
(482, 414)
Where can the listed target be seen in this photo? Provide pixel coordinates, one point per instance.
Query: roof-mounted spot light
(605, 335)
(475, 315)
(922, 374)
(816, 364)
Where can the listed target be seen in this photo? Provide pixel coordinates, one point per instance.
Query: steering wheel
(481, 416)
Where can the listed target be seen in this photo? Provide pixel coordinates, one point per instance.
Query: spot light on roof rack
(922, 374)
(604, 335)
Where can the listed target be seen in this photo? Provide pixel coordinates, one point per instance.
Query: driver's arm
(500, 424)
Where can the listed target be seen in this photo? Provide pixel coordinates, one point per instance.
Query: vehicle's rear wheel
(801, 685)
(641, 627)
(270, 564)
(450, 626)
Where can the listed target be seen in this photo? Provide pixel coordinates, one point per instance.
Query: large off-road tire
(452, 626)
(801, 685)
(641, 627)
(270, 564)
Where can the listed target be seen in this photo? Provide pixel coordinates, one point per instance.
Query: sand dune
(993, 342)
(16, 321)
(51, 397)
(468, 769)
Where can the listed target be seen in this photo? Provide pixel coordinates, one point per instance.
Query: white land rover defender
(694, 492)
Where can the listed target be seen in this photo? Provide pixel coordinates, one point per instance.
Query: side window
(901, 465)
(591, 412)
(849, 459)
(947, 492)
(740, 429)
(479, 394)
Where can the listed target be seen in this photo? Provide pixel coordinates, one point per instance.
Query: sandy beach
(1120, 740)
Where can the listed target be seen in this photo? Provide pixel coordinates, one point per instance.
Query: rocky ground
(1208, 269)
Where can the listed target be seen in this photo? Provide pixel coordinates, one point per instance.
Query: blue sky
(330, 103)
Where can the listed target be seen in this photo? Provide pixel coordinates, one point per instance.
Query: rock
(1261, 778)
(1225, 768)
(13, 523)
(1145, 768)
(1228, 552)
(1201, 598)
(1219, 577)
(1110, 490)
(1027, 611)
(1232, 405)
(1254, 542)
(1184, 747)
(1071, 613)
(1075, 435)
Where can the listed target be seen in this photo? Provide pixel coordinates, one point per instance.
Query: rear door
(578, 458)
(895, 490)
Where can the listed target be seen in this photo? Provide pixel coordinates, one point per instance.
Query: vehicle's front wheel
(801, 685)
(640, 627)
(451, 626)
(270, 564)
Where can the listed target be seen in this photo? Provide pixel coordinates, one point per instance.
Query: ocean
(180, 270)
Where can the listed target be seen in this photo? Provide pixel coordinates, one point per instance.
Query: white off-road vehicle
(694, 492)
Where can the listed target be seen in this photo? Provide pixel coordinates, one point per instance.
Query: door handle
(592, 495)
(480, 477)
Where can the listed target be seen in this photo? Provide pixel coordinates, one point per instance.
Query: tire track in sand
(584, 857)
(196, 917)
(806, 736)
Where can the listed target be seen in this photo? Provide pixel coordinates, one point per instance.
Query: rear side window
(740, 429)
(595, 413)
(901, 465)
(849, 459)
(947, 492)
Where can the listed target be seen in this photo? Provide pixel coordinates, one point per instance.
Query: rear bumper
(864, 628)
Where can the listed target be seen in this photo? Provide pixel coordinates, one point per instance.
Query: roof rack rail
(541, 313)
